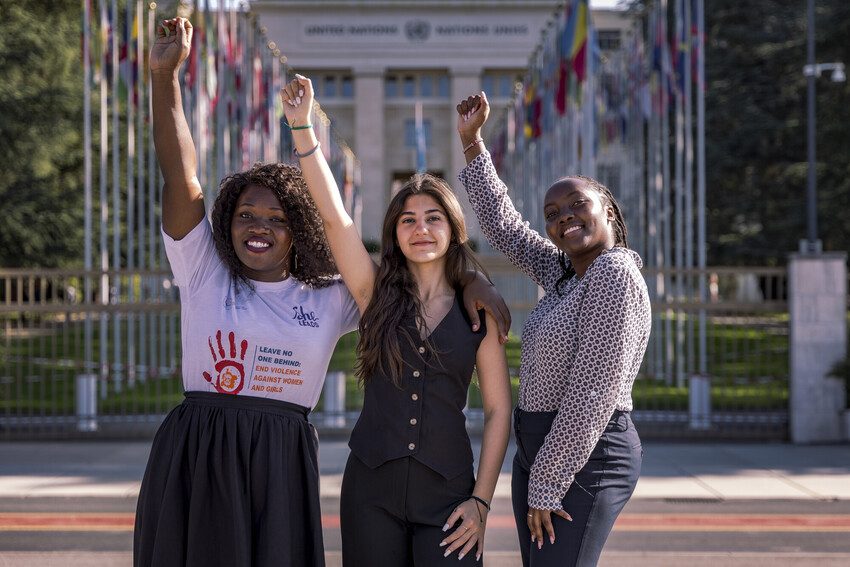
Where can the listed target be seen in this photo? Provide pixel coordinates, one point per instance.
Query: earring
(295, 262)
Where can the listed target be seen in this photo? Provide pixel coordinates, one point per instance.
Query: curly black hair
(313, 263)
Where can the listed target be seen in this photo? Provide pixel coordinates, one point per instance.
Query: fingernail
(442, 543)
(459, 556)
(540, 544)
(552, 539)
(478, 557)
(298, 100)
(301, 93)
(532, 538)
(475, 327)
(445, 527)
(446, 554)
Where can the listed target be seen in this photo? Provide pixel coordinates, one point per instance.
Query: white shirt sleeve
(192, 258)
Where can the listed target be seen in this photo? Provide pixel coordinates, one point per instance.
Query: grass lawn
(748, 363)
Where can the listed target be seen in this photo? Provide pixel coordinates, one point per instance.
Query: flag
(421, 162)
(578, 53)
(565, 45)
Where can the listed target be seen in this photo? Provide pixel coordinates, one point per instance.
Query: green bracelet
(298, 127)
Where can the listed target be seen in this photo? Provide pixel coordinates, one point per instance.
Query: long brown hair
(395, 295)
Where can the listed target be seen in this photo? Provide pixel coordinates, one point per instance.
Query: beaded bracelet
(297, 127)
(308, 152)
(473, 143)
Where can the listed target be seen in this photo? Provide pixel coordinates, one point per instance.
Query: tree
(41, 109)
(755, 129)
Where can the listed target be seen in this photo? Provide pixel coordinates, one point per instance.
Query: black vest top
(424, 418)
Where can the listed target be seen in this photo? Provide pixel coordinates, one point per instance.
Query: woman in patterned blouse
(578, 454)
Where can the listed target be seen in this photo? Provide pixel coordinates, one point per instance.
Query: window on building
(390, 87)
(409, 86)
(423, 84)
(426, 86)
(507, 85)
(499, 84)
(330, 90)
(609, 40)
(347, 86)
(410, 132)
(443, 86)
(331, 85)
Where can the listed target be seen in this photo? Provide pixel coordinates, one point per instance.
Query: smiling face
(261, 235)
(422, 230)
(578, 221)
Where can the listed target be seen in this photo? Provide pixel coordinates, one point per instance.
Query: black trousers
(594, 500)
(393, 515)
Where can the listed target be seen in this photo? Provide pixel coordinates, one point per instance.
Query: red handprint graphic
(230, 373)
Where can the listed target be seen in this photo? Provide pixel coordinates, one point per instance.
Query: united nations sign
(417, 30)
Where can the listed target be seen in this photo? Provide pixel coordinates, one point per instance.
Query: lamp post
(812, 70)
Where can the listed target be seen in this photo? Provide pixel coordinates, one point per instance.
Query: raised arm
(353, 261)
(500, 222)
(182, 197)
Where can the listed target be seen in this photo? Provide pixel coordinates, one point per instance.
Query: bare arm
(182, 197)
(353, 261)
(492, 368)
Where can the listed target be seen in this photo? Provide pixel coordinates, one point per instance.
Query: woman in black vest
(409, 495)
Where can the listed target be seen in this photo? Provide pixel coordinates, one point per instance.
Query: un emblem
(417, 30)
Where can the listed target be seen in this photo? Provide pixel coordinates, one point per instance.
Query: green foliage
(756, 129)
(41, 106)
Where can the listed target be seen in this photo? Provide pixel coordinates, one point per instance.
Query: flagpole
(679, 201)
(131, 197)
(116, 201)
(421, 165)
(154, 288)
(701, 203)
(87, 182)
(104, 203)
(666, 223)
(140, 194)
(689, 178)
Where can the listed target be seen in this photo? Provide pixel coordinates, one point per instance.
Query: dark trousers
(594, 500)
(393, 515)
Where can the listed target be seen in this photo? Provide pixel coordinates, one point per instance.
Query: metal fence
(99, 353)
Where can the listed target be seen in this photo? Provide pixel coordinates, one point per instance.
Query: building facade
(373, 62)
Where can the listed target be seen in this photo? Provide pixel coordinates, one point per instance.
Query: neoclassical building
(372, 61)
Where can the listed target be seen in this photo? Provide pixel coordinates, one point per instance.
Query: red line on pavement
(47, 521)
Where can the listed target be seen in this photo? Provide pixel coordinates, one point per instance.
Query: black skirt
(231, 481)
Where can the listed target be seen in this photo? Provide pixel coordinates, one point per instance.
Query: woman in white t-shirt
(232, 477)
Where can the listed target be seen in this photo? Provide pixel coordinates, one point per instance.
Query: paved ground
(71, 504)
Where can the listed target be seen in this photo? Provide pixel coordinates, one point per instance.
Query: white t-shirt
(273, 342)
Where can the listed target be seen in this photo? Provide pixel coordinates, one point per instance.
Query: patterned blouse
(581, 349)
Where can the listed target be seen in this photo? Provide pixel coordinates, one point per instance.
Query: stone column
(369, 148)
(817, 302)
(465, 81)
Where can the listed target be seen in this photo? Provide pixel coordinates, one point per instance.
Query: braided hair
(620, 231)
(314, 266)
